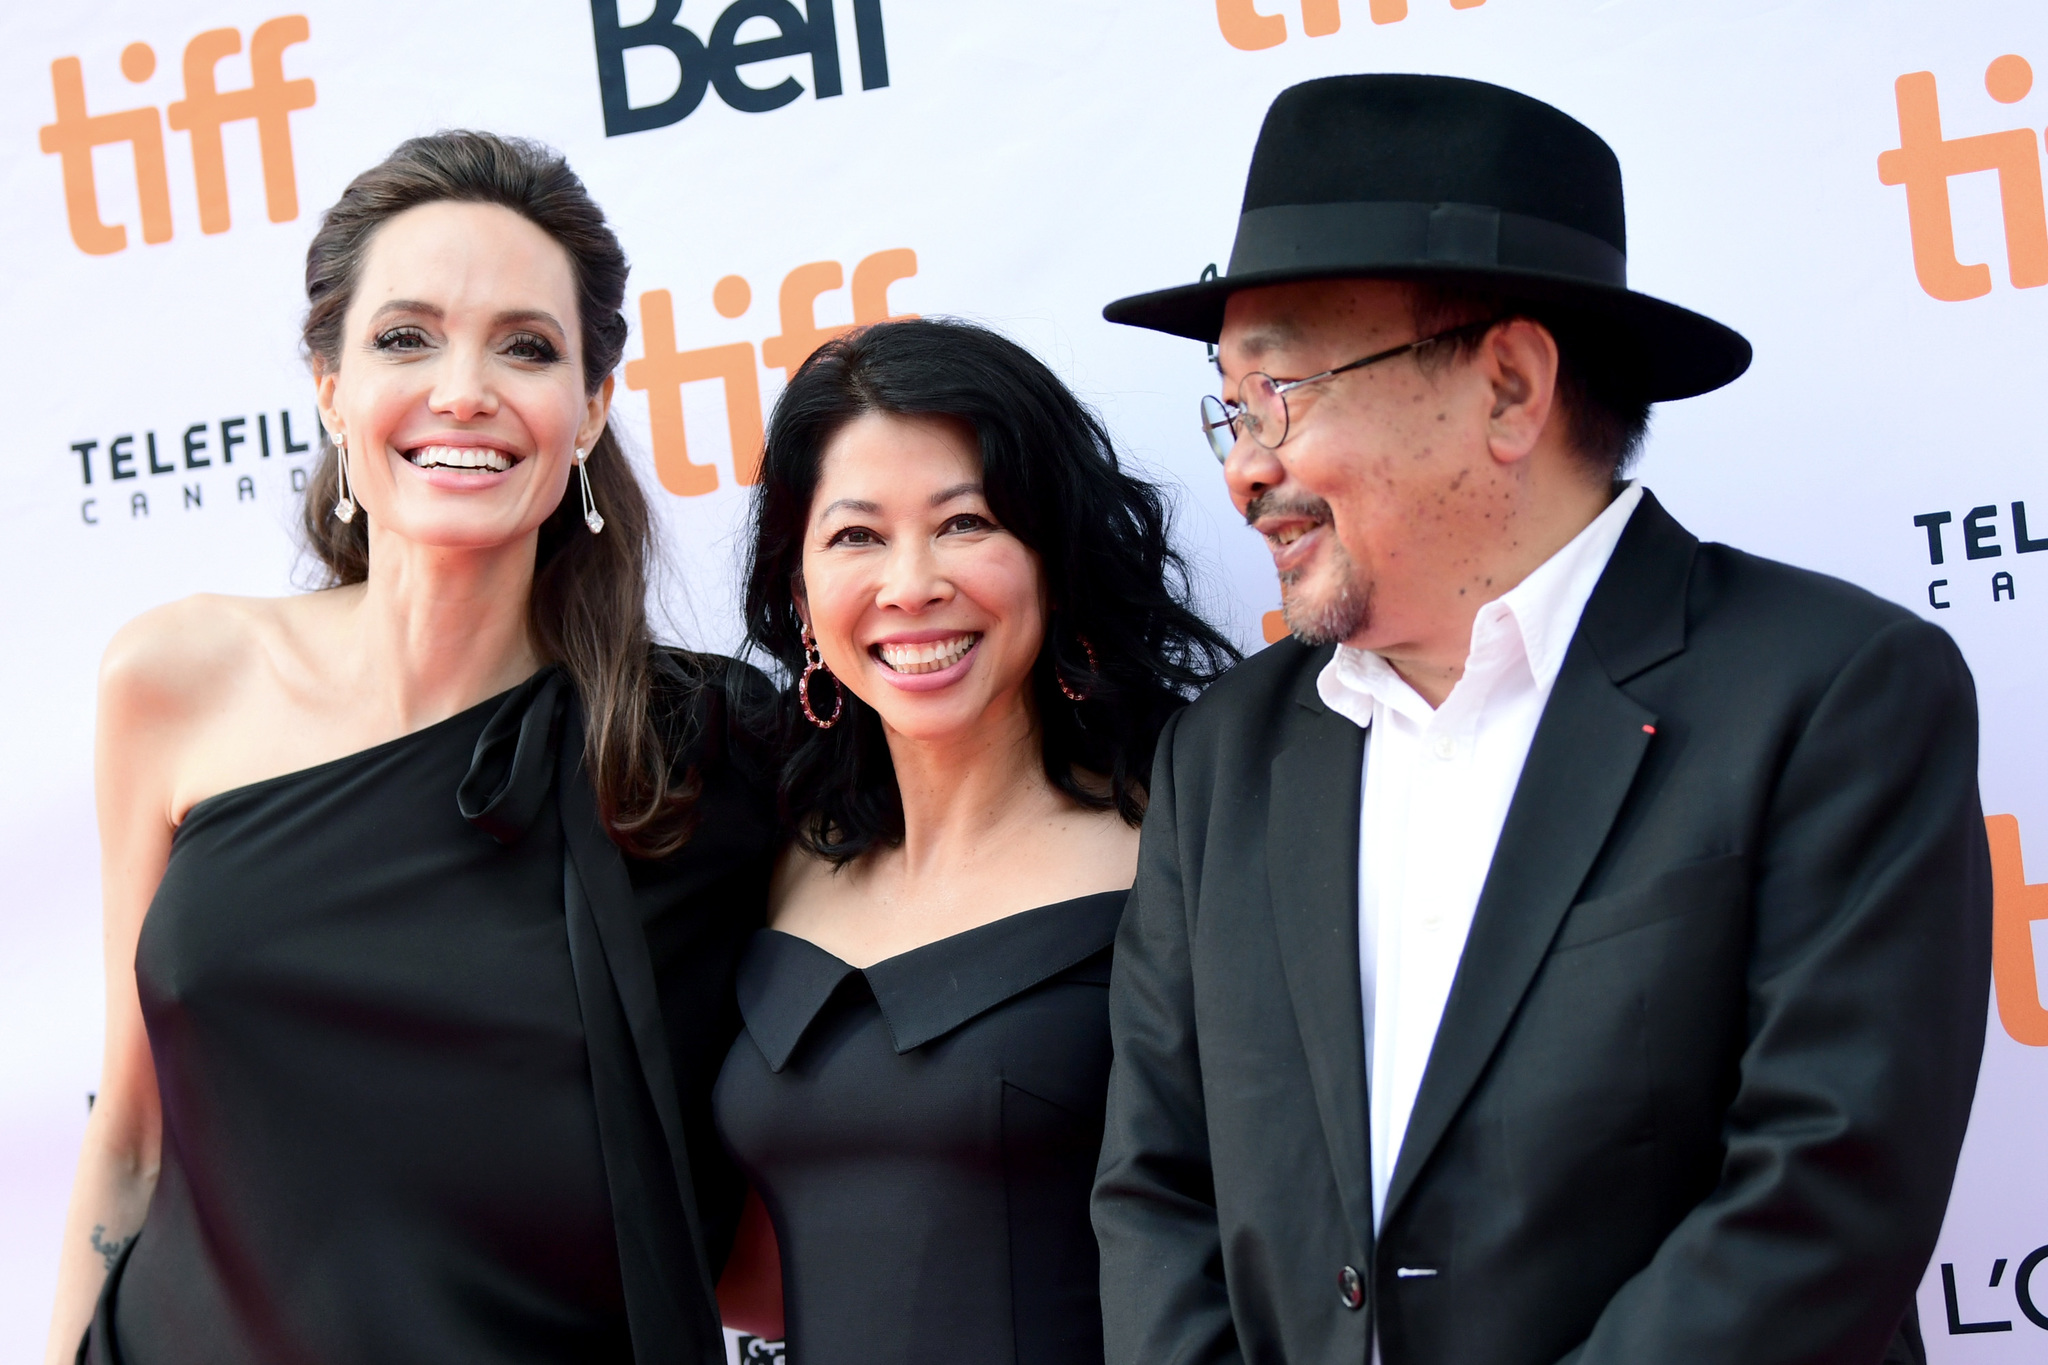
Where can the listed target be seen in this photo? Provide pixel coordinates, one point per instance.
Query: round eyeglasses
(1260, 411)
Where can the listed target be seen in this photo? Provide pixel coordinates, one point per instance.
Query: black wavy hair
(1052, 479)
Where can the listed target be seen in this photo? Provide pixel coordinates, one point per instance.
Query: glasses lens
(1265, 411)
(1218, 426)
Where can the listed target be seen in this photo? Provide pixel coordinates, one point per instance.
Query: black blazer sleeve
(1867, 986)
(1163, 1295)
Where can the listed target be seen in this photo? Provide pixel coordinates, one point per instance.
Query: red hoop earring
(1071, 694)
(814, 662)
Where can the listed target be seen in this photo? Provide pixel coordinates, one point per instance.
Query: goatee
(1334, 619)
(1337, 615)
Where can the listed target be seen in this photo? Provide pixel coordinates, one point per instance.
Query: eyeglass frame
(1281, 387)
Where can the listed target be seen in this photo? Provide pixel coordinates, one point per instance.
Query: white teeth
(927, 658)
(461, 457)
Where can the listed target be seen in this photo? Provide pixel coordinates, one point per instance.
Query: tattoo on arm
(109, 1251)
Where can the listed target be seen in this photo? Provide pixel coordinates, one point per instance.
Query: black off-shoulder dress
(924, 1135)
(436, 1059)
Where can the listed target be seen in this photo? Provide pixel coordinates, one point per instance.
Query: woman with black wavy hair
(987, 629)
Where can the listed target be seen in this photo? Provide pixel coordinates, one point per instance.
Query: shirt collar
(1548, 603)
(1534, 620)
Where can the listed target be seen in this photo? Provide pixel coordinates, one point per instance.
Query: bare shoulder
(159, 662)
(173, 660)
(181, 670)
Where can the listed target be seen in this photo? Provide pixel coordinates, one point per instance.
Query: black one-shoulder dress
(436, 1059)
(924, 1135)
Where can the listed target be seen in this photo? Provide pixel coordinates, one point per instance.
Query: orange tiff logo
(663, 370)
(1244, 27)
(2016, 907)
(268, 101)
(1925, 159)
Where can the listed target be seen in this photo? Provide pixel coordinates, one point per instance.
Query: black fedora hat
(1442, 179)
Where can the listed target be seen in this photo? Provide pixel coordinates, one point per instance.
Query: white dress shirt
(1435, 790)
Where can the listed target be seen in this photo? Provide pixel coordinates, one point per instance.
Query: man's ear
(1519, 362)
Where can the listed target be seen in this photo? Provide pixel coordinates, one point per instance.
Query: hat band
(1358, 237)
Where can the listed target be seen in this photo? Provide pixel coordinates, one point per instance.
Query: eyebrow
(1264, 338)
(511, 317)
(515, 316)
(869, 509)
(407, 306)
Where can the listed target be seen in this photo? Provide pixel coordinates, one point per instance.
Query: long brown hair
(588, 611)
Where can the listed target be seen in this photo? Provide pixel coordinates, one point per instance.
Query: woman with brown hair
(423, 892)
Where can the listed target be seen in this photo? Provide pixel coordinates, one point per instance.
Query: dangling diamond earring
(344, 506)
(590, 516)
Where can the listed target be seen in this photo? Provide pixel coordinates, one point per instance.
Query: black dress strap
(670, 1297)
(663, 1269)
(514, 762)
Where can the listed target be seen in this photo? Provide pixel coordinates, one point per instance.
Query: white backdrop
(1020, 164)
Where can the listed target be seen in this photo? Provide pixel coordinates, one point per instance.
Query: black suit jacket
(1705, 1068)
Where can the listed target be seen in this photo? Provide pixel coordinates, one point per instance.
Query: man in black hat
(1574, 944)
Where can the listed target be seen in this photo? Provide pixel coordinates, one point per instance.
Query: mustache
(1273, 502)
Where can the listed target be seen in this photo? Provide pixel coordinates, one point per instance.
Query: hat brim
(1676, 352)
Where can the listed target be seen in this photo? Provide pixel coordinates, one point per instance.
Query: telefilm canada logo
(742, 34)
(268, 101)
(118, 473)
(1930, 154)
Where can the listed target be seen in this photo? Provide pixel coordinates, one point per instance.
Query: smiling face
(459, 384)
(922, 604)
(1384, 505)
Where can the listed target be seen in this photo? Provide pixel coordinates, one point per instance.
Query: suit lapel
(1312, 873)
(1581, 764)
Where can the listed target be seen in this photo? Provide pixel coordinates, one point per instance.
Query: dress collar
(926, 993)
(783, 982)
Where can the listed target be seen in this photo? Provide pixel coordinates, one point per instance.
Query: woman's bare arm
(146, 711)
